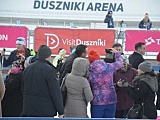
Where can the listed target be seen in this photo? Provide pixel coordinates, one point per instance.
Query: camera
(124, 80)
(109, 54)
(108, 50)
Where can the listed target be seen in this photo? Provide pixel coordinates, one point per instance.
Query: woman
(12, 101)
(103, 104)
(2, 91)
(144, 92)
(21, 53)
(146, 22)
(78, 90)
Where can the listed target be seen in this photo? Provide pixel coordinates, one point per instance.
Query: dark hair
(4, 49)
(139, 45)
(59, 49)
(117, 45)
(80, 49)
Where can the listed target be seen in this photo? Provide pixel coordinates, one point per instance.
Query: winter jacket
(144, 93)
(135, 59)
(143, 24)
(67, 66)
(78, 90)
(109, 20)
(13, 57)
(124, 102)
(2, 91)
(12, 101)
(41, 91)
(101, 80)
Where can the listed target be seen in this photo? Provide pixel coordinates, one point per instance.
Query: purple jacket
(124, 102)
(101, 80)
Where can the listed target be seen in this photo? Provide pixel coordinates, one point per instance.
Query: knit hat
(145, 66)
(125, 59)
(109, 12)
(158, 57)
(21, 40)
(44, 51)
(93, 55)
(146, 15)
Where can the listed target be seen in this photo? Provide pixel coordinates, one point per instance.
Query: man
(109, 19)
(41, 90)
(158, 78)
(81, 51)
(118, 47)
(136, 58)
(124, 102)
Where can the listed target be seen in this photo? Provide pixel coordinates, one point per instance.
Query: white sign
(128, 10)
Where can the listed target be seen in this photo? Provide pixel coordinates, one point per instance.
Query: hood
(80, 66)
(98, 66)
(151, 81)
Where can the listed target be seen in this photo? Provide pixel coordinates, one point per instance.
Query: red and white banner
(151, 38)
(57, 38)
(9, 34)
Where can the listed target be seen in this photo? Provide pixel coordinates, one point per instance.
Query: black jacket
(13, 57)
(12, 101)
(135, 59)
(145, 91)
(143, 24)
(67, 66)
(41, 90)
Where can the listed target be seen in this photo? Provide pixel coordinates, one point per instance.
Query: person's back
(12, 101)
(101, 80)
(81, 51)
(136, 57)
(41, 91)
(78, 90)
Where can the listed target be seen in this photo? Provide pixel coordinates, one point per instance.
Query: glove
(122, 83)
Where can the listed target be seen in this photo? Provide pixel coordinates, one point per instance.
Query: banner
(57, 38)
(80, 10)
(151, 38)
(9, 34)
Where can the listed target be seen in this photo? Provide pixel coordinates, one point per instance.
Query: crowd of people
(111, 85)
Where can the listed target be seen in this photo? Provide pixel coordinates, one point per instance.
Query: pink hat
(146, 15)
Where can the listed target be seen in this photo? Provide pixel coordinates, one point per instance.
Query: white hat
(21, 40)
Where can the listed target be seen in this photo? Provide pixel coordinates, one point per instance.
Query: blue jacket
(109, 20)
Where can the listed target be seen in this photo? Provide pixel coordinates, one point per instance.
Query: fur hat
(44, 51)
(93, 55)
(21, 40)
(145, 66)
(158, 57)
